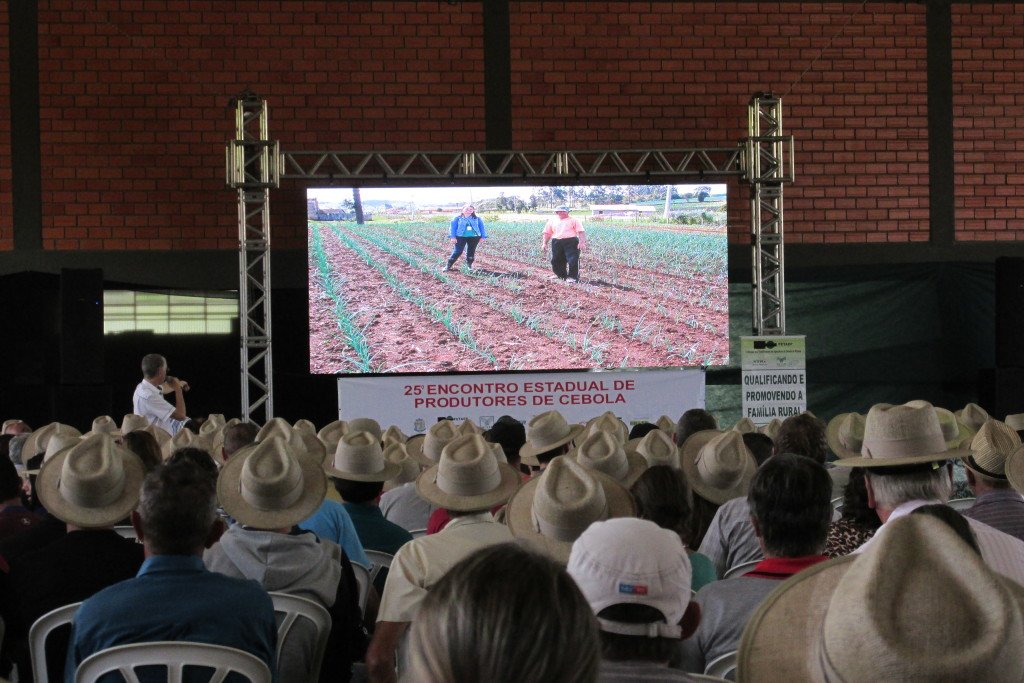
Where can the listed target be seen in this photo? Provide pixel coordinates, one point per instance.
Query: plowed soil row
(585, 305)
(404, 338)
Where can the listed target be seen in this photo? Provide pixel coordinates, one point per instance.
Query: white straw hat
(657, 448)
(545, 432)
(602, 451)
(331, 433)
(366, 424)
(359, 457)
(907, 434)
(744, 426)
(973, 416)
(718, 465)
(845, 434)
(608, 422)
(408, 466)
(427, 451)
(990, 448)
(467, 478)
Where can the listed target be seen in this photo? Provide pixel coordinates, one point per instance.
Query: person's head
(357, 491)
(468, 210)
(548, 435)
(177, 513)
(803, 434)
(640, 429)
(238, 436)
(855, 501)
(562, 211)
(15, 427)
(144, 445)
(692, 421)
(890, 487)
(990, 448)
(197, 456)
(636, 577)
(761, 446)
(510, 434)
(537, 627)
(154, 367)
(953, 519)
(790, 506)
(663, 497)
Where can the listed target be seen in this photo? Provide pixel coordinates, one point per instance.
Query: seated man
(174, 597)
(790, 512)
(996, 504)
(636, 577)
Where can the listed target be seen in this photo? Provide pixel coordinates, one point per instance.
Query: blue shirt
(333, 523)
(467, 227)
(375, 532)
(174, 597)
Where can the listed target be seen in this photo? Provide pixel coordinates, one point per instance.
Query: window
(128, 311)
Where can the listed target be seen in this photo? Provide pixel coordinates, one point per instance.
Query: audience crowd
(885, 545)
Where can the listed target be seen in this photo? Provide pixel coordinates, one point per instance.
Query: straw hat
(331, 433)
(275, 426)
(744, 426)
(544, 432)
(990, 448)
(92, 484)
(917, 605)
(366, 424)
(908, 434)
(214, 431)
(132, 422)
(103, 424)
(666, 424)
(656, 448)
(467, 426)
(37, 441)
(1014, 469)
(393, 435)
(186, 438)
(718, 465)
(972, 415)
(304, 425)
(359, 457)
(427, 451)
(954, 432)
(1015, 421)
(551, 511)
(467, 478)
(55, 445)
(845, 434)
(607, 421)
(11, 422)
(601, 451)
(771, 430)
(408, 466)
(271, 484)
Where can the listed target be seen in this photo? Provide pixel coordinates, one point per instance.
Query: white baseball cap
(633, 561)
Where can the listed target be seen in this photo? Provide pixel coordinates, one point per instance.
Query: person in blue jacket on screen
(467, 229)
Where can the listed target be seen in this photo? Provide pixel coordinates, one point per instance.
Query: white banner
(774, 377)
(415, 403)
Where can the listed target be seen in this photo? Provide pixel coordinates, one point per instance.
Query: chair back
(740, 569)
(127, 531)
(961, 504)
(381, 560)
(722, 667)
(40, 632)
(416, 533)
(174, 657)
(289, 610)
(363, 579)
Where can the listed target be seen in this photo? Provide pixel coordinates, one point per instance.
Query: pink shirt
(562, 228)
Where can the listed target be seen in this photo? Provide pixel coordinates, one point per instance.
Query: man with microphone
(148, 400)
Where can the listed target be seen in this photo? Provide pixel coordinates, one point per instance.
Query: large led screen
(649, 288)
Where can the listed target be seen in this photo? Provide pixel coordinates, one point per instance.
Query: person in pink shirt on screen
(567, 241)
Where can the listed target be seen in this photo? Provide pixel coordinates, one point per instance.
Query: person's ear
(136, 520)
(870, 490)
(217, 530)
(690, 620)
(971, 479)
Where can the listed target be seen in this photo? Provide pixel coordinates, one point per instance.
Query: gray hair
(152, 363)
(178, 507)
(505, 615)
(892, 490)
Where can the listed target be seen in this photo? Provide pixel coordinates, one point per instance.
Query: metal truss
(370, 168)
(768, 165)
(253, 167)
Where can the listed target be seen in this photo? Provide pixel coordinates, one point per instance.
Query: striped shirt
(1002, 509)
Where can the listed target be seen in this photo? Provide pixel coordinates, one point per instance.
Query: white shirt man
(148, 400)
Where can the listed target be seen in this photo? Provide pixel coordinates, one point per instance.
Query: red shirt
(780, 568)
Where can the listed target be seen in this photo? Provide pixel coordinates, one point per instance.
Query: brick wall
(614, 74)
(6, 221)
(134, 99)
(988, 111)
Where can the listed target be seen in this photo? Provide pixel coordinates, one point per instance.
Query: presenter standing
(148, 400)
(467, 229)
(567, 239)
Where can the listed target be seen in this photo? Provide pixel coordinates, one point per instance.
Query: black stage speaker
(81, 326)
(1001, 391)
(1009, 312)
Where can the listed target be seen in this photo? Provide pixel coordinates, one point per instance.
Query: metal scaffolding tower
(253, 167)
(768, 165)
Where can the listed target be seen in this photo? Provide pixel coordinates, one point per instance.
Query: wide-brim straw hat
(468, 478)
(908, 434)
(38, 440)
(972, 415)
(132, 422)
(1014, 469)
(990, 448)
(56, 444)
(745, 425)
(918, 605)
(305, 425)
(845, 434)
(393, 434)
(271, 484)
(550, 511)
(104, 424)
(186, 438)
(955, 432)
(408, 466)
(718, 465)
(771, 430)
(608, 422)
(657, 448)
(331, 433)
(359, 457)
(666, 424)
(601, 451)
(366, 424)
(92, 484)
(1015, 421)
(427, 451)
(545, 432)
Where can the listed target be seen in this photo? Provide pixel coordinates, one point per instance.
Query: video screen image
(416, 280)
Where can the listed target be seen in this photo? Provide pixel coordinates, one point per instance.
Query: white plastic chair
(381, 560)
(740, 569)
(416, 533)
(961, 504)
(363, 579)
(837, 509)
(174, 656)
(291, 608)
(127, 532)
(40, 631)
(722, 667)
